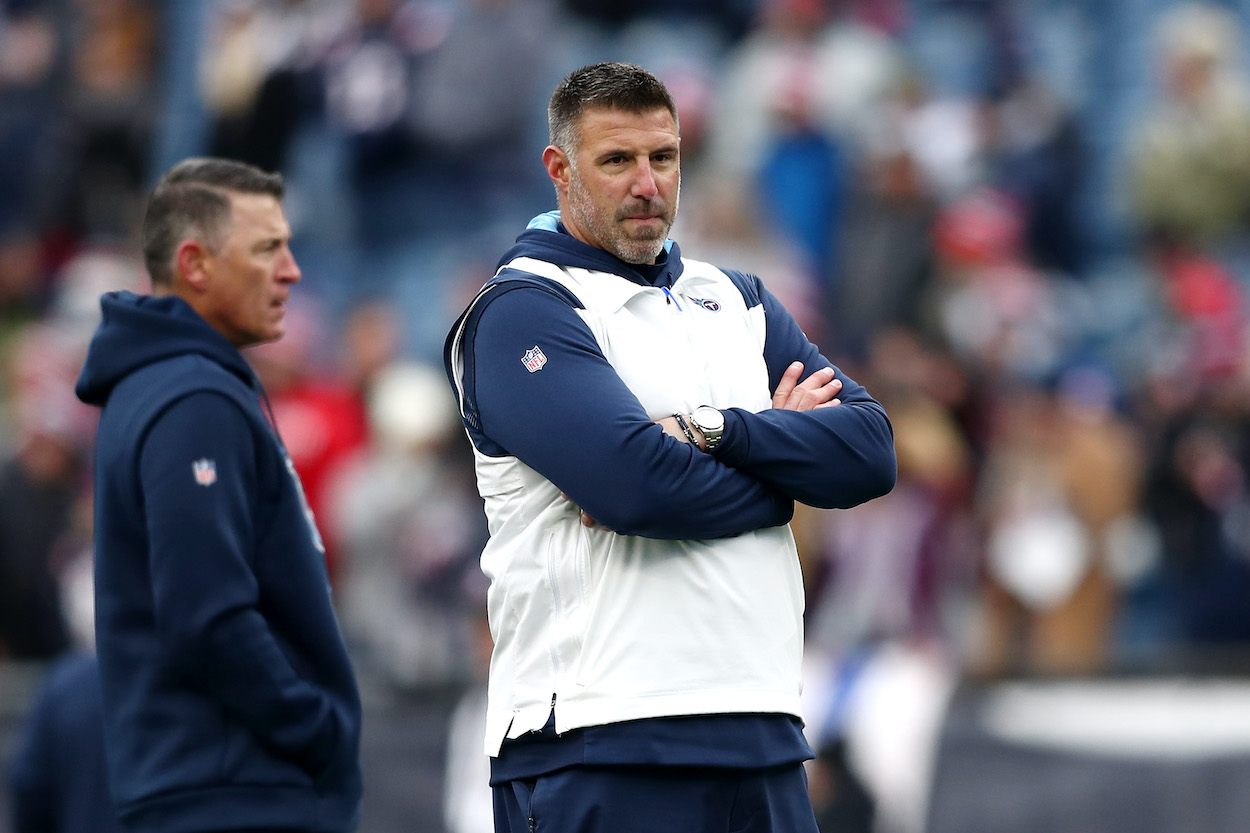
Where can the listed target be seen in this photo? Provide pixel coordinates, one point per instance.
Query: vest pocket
(566, 575)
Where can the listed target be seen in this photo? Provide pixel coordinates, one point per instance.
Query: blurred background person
(406, 514)
(59, 777)
(1190, 171)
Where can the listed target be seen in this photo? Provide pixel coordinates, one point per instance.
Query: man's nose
(644, 182)
(288, 269)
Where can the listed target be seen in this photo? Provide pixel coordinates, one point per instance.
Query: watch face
(709, 420)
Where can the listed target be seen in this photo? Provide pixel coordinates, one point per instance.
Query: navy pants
(657, 800)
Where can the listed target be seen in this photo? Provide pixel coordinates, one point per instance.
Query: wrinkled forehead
(256, 216)
(256, 207)
(607, 125)
(606, 111)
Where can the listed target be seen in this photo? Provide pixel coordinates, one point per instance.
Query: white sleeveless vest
(618, 627)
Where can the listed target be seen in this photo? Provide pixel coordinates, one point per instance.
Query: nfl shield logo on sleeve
(534, 359)
(205, 471)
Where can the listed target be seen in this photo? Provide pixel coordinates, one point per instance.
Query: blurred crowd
(1023, 224)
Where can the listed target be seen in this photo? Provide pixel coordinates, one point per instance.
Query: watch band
(685, 428)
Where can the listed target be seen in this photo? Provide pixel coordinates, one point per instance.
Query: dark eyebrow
(608, 154)
(269, 242)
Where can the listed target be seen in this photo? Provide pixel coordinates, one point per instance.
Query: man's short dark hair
(193, 200)
(610, 85)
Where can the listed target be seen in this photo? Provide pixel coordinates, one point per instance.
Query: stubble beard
(612, 235)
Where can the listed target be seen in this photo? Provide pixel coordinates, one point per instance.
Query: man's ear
(558, 166)
(189, 263)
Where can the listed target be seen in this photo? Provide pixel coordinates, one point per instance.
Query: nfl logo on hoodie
(534, 359)
(205, 471)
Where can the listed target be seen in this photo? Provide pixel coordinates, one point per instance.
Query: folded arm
(576, 423)
(828, 457)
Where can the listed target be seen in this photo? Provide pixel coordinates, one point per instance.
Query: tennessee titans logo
(534, 359)
(707, 303)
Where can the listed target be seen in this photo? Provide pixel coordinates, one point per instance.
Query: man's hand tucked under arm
(587, 521)
(819, 390)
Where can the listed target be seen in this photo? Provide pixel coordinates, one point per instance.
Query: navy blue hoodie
(229, 699)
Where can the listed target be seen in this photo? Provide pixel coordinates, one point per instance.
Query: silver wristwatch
(711, 422)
